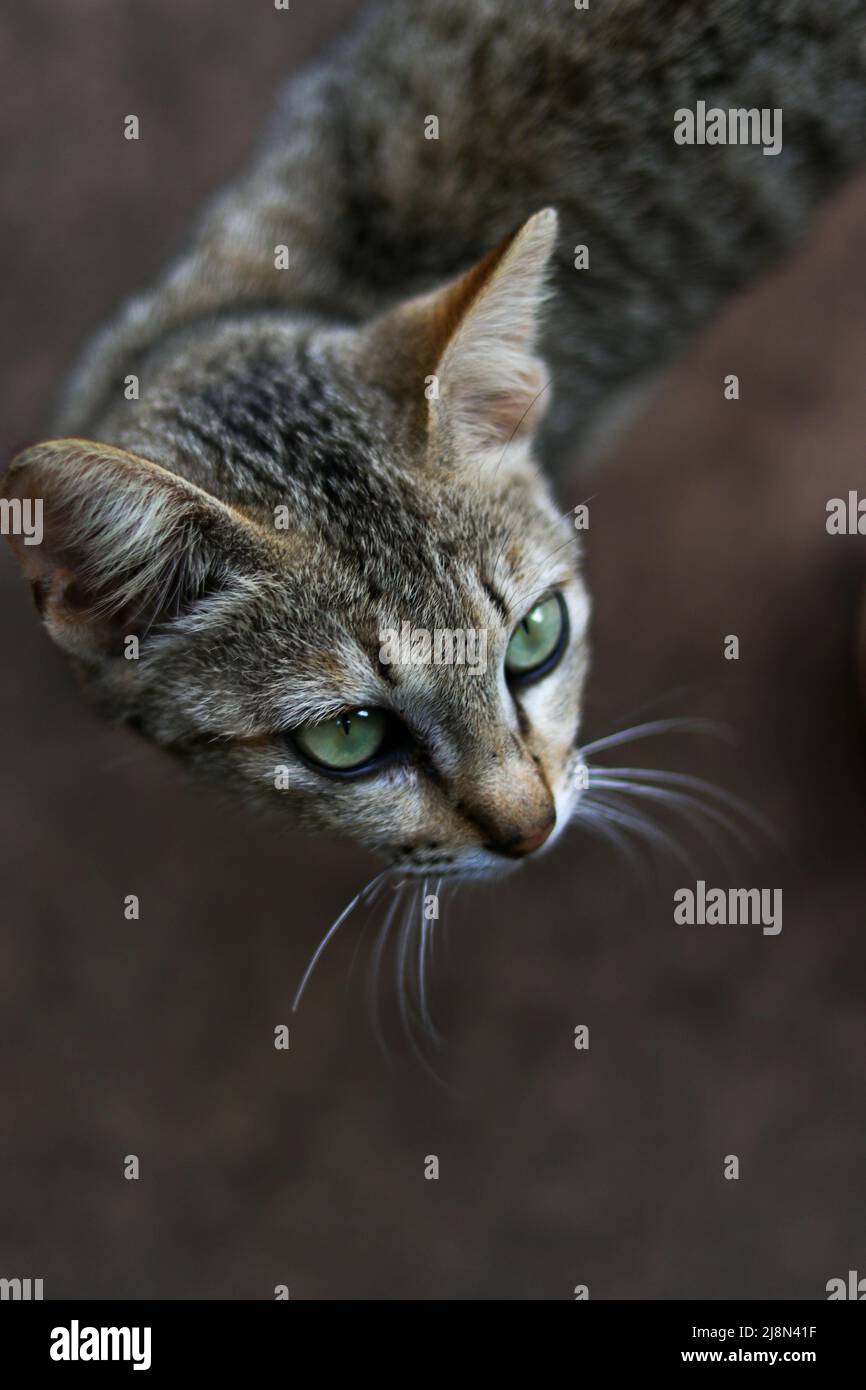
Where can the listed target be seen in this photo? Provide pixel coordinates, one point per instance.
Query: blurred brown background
(156, 1038)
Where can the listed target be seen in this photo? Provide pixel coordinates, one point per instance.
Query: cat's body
(308, 388)
(538, 104)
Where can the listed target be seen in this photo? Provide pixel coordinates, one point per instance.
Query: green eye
(346, 742)
(537, 638)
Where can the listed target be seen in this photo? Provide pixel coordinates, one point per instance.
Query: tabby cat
(353, 376)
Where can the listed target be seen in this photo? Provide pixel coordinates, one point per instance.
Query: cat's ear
(467, 354)
(112, 543)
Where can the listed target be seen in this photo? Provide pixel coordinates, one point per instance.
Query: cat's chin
(483, 866)
(469, 874)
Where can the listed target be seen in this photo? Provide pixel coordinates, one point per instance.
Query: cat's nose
(527, 844)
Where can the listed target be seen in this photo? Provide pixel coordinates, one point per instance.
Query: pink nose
(528, 844)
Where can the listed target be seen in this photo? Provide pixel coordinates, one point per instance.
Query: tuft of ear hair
(126, 545)
(477, 338)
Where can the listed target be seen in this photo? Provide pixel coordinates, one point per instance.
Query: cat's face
(362, 610)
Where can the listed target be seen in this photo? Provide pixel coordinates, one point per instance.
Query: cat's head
(321, 566)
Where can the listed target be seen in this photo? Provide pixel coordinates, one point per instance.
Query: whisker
(532, 585)
(689, 806)
(405, 1002)
(657, 726)
(545, 387)
(404, 935)
(436, 893)
(607, 831)
(510, 534)
(631, 819)
(423, 946)
(330, 933)
(690, 783)
(448, 900)
(371, 903)
(376, 968)
(667, 796)
(518, 600)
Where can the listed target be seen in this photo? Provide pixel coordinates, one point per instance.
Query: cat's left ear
(464, 358)
(114, 544)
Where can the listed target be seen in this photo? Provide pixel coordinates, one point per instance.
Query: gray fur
(539, 105)
(264, 388)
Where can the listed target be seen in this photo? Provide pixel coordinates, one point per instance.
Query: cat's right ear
(464, 359)
(113, 544)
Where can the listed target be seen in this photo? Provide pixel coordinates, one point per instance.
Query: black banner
(162, 1339)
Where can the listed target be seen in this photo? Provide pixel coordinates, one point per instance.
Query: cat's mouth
(456, 873)
(477, 864)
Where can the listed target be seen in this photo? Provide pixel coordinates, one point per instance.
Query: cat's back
(448, 122)
(437, 127)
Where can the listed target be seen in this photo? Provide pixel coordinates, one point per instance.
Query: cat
(469, 233)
